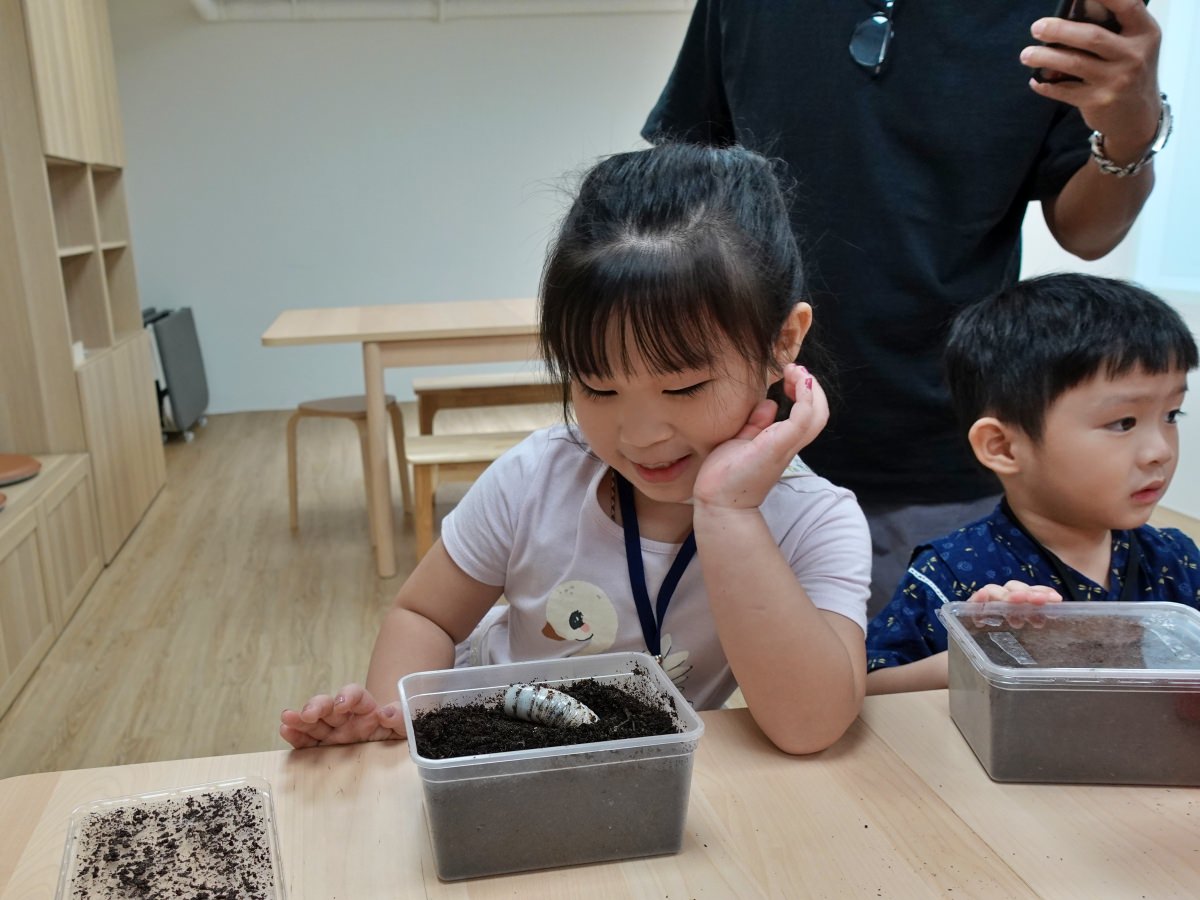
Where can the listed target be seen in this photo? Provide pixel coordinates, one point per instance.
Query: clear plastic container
(1097, 693)
(200, 841)
(558, 806)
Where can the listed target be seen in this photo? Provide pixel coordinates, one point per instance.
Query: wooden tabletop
(898, 808)
(403, 322)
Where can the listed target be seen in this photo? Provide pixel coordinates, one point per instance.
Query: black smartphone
(1078, 11)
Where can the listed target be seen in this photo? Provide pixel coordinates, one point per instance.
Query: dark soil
(1071, 643)
(477, 728)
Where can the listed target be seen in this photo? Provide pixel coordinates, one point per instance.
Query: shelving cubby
(122, 290)
(111, 212)
(87, 302)
(71, 198)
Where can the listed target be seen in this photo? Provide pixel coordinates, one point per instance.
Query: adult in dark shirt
(912, 183)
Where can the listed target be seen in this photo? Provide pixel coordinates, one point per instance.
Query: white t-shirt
(532, 524)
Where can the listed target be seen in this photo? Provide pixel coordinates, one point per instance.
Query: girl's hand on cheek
(741, 472)
(810, 412)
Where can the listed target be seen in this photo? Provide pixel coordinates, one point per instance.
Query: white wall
(300, 164)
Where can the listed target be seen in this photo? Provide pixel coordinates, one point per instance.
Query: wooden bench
(489, 389)
(451, 457)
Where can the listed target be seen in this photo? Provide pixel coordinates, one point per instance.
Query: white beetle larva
(546, 706)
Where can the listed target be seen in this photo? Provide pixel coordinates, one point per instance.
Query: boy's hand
(1035, 595)
(1117, 93)
(1015, 592)
(351, 717)
(741, 472)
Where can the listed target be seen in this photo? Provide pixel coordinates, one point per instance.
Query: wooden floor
(214, 615)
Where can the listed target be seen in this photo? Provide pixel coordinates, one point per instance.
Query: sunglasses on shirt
(871, 39)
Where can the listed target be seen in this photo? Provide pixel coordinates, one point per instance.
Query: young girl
(673, 515)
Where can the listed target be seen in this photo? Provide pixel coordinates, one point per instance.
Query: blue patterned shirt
(993, 550)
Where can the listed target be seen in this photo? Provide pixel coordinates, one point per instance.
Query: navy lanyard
(651, 618)
(1130, 579)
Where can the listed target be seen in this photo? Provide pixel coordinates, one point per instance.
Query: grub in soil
(482, 727)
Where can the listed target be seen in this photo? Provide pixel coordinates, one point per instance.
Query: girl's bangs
(673, 313)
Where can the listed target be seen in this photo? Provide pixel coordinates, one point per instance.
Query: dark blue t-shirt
(910, 189)
(994, 550)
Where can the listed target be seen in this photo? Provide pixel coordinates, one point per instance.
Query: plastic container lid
(1099, 645)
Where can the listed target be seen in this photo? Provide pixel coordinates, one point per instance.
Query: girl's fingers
(298, 739)
(392, 717)
(354, 699)
(317, 708)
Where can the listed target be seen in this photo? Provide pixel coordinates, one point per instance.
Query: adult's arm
(1118, 96)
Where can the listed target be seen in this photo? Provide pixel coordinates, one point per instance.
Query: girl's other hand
(351, 717)
(739, 473)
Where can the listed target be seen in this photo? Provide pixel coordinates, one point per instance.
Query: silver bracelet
(1106, 165)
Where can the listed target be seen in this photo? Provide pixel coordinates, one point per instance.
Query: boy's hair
(1012, 355)
(680, 247)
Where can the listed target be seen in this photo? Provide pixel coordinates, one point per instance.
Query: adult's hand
(1117, 92)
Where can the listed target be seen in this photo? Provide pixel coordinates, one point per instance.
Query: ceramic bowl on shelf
(16, 467)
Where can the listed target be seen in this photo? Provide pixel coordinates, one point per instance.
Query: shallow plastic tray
(178, 859)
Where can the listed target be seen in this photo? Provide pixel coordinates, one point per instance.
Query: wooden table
(411, 334)
(897, 808)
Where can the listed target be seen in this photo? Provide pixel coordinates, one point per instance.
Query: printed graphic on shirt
(796, 468)
(675, 664)
(581, 612)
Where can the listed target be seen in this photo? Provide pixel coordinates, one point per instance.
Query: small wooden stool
(353, 408)
(453, 457)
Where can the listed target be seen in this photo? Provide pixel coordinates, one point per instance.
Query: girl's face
(656, 429)
(1108, 450)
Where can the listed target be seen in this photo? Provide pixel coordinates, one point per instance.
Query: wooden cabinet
(26, 631)
(49, 557)
(76, 84)
(116, 393)
(69, 537)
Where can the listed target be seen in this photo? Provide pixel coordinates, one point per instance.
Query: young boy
(1071, 385)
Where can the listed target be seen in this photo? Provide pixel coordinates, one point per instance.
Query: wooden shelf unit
(66, 277)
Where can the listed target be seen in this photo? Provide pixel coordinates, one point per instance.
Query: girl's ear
(791, 335)
(993, 443)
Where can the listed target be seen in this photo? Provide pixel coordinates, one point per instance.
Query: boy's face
(1108, 451)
